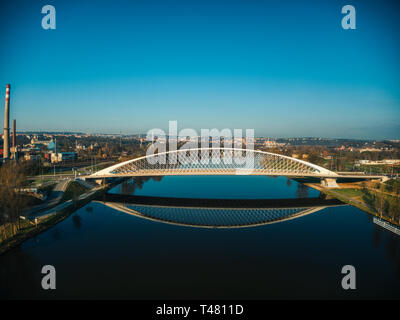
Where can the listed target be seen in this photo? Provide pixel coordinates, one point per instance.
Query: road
(86, 171)
(54, 198)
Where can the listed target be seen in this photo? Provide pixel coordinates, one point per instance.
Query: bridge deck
(254, 172)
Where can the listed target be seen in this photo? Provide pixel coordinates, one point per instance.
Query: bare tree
(12, 179)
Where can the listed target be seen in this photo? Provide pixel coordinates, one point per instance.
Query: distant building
(273, 144)
(63, 156)
(36, 141)
(80, 147)
(300, 156)
(30, 148)
(369, 150)
(344, 148)
(51, 146)
(94, 146)
(32, 157)
(379, 162)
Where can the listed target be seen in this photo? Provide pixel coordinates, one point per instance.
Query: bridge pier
(384, 179)
(100, 181)
(329, 183)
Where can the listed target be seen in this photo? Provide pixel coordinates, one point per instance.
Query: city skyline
(286, 70)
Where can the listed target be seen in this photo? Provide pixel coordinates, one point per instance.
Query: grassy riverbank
(367, 197)
(350, 196)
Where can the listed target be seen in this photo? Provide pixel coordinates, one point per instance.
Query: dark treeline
(12, 201)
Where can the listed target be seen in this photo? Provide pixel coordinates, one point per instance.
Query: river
(101, 252)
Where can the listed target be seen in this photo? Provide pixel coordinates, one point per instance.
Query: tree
(380, 201)
(394, 209)
(12, 179)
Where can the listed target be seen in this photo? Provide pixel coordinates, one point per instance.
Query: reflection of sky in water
(215, 217)
(100, 252)
(104, 253)
(228, 187)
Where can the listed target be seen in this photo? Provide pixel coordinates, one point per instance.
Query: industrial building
(63, 156)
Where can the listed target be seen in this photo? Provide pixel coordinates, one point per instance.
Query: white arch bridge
(220, 161)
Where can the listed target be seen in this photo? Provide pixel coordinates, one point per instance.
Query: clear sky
(283, 68)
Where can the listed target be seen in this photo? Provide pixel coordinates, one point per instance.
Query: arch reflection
(216, 213)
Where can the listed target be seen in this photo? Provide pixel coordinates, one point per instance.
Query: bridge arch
(192, 162)
(213, 218)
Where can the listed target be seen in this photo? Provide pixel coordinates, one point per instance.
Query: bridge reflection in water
(216, 213)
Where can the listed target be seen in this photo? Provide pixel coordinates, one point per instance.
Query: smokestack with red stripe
(6, 135)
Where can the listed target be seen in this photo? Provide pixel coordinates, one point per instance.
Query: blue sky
(284, 68)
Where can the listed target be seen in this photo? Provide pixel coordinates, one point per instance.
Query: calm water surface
(100, 252)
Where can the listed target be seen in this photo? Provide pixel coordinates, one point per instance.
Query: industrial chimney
(14, 139)
(14, 133)
(6, 135)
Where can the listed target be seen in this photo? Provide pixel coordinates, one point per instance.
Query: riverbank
(354, 197)
(29, 228)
